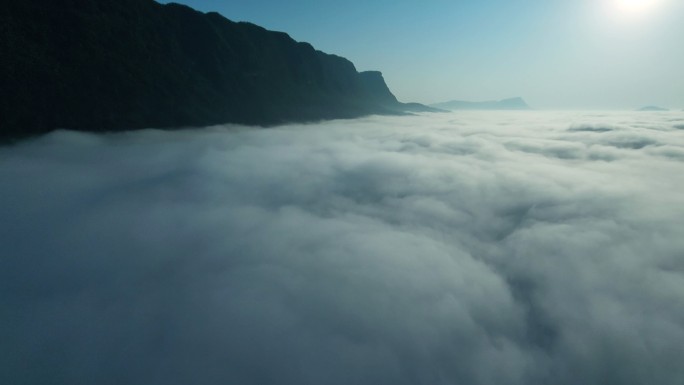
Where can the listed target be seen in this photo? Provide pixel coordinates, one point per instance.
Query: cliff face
(124, 64)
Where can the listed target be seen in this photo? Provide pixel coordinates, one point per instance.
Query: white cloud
(470, 248)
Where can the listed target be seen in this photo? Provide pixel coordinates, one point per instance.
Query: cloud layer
(466, 248)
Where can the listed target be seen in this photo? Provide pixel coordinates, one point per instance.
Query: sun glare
(635, 6)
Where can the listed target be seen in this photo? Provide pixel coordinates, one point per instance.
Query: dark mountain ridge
(110, 65)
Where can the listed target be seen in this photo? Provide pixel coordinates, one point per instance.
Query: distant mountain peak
(652, 108)
(516, 99)
(515, 103)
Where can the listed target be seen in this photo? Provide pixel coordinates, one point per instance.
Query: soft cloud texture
(466, 248)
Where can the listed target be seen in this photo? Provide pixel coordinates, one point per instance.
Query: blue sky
(554, 53)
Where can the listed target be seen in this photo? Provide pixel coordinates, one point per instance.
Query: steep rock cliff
(109, 65)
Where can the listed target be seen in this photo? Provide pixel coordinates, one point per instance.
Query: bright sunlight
(636, 6)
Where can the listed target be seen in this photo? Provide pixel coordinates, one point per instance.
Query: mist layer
(464, 248)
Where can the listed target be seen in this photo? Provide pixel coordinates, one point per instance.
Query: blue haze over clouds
(556, 54)
(478, 248)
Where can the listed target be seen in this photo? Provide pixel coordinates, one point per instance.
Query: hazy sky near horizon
(555, 54)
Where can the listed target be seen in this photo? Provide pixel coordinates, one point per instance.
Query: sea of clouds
(455, 248)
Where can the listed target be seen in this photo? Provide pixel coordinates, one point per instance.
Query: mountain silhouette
(505, 104)
(652, 108)
(111, 65)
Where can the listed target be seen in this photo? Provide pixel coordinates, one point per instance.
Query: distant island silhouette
(103, 65)
(505, 104)
(652, 108)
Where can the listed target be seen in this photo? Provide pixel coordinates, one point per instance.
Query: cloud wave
(464, 248)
